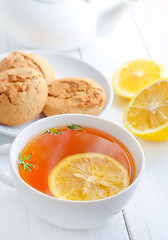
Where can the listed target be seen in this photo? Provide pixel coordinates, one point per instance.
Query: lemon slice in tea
(87, 176)
(147, 114)
(136, 74)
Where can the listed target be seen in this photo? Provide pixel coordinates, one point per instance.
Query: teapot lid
(47, 1)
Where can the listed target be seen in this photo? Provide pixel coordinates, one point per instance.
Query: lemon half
(136, 74)
(147, 114)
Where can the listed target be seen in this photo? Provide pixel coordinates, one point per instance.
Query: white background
(139, 32)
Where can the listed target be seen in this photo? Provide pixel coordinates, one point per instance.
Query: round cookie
(28, 60)
(74, 95)
(23, 94)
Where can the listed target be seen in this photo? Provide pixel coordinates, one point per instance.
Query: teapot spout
(103, 7)
(110, 15)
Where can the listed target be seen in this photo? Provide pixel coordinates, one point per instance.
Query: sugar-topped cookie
(74, 95)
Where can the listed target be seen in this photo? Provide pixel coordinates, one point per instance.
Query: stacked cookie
(28, 60)
(28, 87)
(23, 87)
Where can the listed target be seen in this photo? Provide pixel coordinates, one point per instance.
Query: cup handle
(5, 149)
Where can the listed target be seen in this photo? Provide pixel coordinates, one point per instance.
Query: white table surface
(139, 32)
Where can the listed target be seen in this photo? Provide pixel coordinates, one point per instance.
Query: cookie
(23, 94)
(28, 60)
(74, 95)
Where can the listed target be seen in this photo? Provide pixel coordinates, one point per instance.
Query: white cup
(66, 213)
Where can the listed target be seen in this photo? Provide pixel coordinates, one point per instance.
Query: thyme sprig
(53, 131)
(25, 164)
(75, 127)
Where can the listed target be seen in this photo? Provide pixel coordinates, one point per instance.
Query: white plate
(65, 66)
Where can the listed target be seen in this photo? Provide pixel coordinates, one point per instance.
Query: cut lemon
(87, 176)
(136, 74)
(147, 114)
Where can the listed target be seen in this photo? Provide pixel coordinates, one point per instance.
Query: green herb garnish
(52, 131)
(22, 161)
(75, 127)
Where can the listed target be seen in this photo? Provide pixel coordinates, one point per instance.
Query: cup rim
(75, 201)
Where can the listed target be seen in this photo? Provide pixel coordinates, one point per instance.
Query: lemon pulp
(87, 176)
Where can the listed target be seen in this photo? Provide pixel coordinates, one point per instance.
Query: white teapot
(61, 25)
